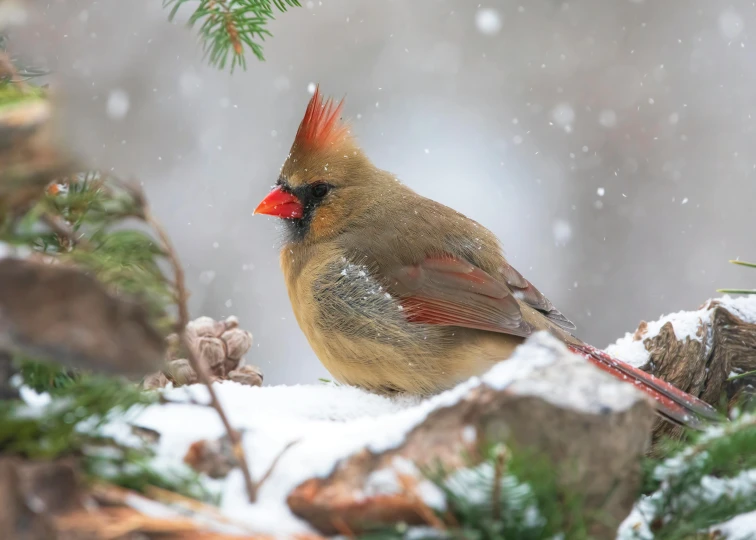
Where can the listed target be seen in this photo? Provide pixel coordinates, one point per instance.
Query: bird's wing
(450, 291)
(527, 293)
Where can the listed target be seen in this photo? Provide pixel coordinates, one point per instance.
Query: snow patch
(328, 423)
(469, 434)
(686, 325)
(524, 373)
(473, 485)
(742, 306)
(637, 525)
(742, 527)
(711, 489)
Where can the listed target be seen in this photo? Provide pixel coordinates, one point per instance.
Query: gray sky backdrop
(609, 144)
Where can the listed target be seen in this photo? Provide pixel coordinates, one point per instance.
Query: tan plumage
(352, 321)
(396, 292)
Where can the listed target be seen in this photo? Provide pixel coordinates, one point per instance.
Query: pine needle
(227, 26)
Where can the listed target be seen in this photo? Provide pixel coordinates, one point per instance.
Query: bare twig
(199, 368)
(408, 484)
(191, 401)
(197, 508)
(344, 530)
(273, 464)
(8, 71)
(64, 230)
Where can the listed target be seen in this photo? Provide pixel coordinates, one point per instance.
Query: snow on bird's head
(321, 126)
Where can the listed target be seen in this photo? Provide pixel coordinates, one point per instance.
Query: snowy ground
(329, 422)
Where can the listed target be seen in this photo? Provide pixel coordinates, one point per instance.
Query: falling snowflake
(190, 84)
(730, 24)
(562, 231)
(608, 118)
(488, 21)
(207, 277)
(563, 114)
(118, 104)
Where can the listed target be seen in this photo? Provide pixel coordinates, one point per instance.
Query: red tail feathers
(672, 403)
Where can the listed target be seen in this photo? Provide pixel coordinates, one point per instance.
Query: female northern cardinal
(396, 292)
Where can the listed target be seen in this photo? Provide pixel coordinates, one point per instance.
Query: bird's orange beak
(281, 204)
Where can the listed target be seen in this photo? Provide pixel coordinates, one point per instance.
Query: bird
(397, 293)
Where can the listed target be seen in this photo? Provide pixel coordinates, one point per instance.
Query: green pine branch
(91, 220)
(704, 483)
(227, 27)
(700, 483)
(740, 291)
(79, 404)
(24, 71)
(97, 224)
(70, 423)
(510, 494)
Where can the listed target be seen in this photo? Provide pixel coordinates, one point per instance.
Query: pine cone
(237, 342)
(212, 353)
(155, 380)
(219, 345)
(181, 372)
(207, 327)
(249, 375)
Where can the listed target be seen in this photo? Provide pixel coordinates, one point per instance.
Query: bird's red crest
(321, 125)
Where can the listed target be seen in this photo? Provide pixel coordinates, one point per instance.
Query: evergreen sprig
(91, 220)
(96, 223)
(227, 26)
(511, 494)
(24, 71)
(740, 291)
(70, 422)
(706, 482)
(75, 402)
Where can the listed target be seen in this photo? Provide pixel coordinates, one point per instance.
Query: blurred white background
(610, 145)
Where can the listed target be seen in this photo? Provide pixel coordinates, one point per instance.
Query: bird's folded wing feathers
(449, 291)
(526, 292)
(445, 290)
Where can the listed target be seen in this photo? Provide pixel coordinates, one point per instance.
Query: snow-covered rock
(541, 396)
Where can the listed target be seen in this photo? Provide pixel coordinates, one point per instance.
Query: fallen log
(710, 353)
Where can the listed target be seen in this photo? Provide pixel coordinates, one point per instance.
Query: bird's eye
(319, 190)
